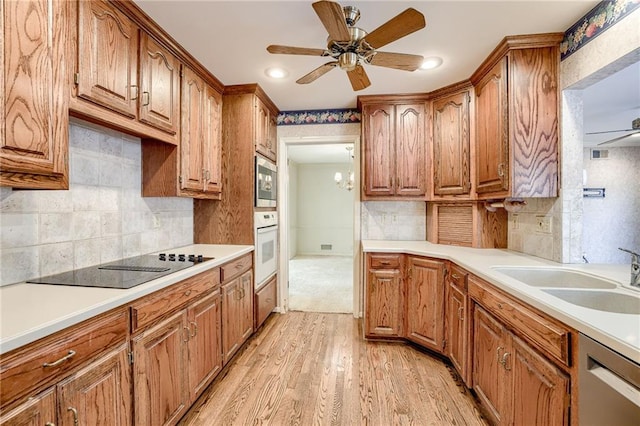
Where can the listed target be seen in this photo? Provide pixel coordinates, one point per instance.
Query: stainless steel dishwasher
(609, 386)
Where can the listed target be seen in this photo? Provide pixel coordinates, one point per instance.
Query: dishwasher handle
(615, 382)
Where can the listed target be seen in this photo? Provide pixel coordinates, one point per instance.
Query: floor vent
(326, 247)
(599, 154)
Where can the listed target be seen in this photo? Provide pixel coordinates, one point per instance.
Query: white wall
(293, 209)
(394, 220)
(325, 211)
(101, 218)
(612, 221)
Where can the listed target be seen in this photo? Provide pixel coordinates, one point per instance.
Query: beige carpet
(321, 284)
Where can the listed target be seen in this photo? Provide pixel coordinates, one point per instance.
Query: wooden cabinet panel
(236, 267)
(33, 101)
(159, 372)
(246, 300)
(265, 131)
(490, 380)
(237, 313)
(99, 394)
(205, 342)
(542, 389)
(384, 301)
(451, 145)
(265, 301)
(425, 303)
(159, 86)
(410, 167)
(379, 153)
(107, 57)
(37, 411)
(457, 323)
(192, 135)
(212, 148)
(492, 133)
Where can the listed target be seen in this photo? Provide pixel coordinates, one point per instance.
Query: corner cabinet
(33, 90)
(393, 148)
(458, 322)
(516, 119)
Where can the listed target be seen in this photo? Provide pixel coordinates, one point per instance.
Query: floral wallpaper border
(318, 116)
(596, 21)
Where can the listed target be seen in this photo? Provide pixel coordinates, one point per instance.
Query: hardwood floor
(310, 368)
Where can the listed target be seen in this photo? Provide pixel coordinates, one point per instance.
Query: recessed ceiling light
(275, 72)
(431, 62)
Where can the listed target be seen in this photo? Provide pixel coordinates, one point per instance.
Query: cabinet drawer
(458, 277)
(265, 301)
(150, 308)
(48, 360)
(548, 335)
(235, 267)
(384, 261)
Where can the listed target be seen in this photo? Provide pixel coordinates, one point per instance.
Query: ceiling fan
(634, 131)
(350, 46)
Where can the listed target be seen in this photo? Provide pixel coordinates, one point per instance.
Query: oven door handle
(267, 229)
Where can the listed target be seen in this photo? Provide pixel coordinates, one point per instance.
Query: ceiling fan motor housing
(351, 15)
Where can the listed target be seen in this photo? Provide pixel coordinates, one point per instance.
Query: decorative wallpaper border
(595, 22)
(318, 116)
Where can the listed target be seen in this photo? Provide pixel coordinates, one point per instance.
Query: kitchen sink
(555, 277)
(600, 300)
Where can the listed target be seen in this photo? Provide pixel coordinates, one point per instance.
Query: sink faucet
(635, 267)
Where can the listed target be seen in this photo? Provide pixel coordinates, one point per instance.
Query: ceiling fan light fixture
(348, 61)
(431, 63)
(275, 72)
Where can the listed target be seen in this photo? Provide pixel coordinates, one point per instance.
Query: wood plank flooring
(315, 369)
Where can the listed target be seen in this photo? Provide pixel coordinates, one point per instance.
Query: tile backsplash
(394, 220)
(102, 217)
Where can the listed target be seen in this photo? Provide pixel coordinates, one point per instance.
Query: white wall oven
(266, 182)
(266, 243)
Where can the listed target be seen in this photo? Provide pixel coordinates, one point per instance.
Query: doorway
(319, 267)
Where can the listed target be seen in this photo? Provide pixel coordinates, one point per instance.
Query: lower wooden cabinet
(425, 302)
(384, 296)
(37, 410)
(237, 313)
(515, 384)
(457, 322)
(265, 301)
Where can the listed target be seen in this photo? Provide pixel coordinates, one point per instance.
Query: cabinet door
(410, 162)
(159, 86)
(37, 411)
(540, 390)
(451, 171)
(231, 318)
(33, 101)
(272, 135)
(205, 343)
(212, 150)
(456, 325)
(490, 380)
(107, 57)
(379, 152)
(262, 128)
(492, 133)
(246, 305)
(384, 303)
(425, 303)
(99, 394)
(192, 131)
(160, 372)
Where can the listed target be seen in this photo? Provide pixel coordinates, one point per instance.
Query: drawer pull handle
(61, 360)
(49, 424)
(194, 333)
(145, 103)
(186, 334)
(239, 266)
(460, 317)
(503, 361)
(135, 97)
(500, 305)
(455, 276)
(385, 263)
(75, 415)
(187, 293)
(500, 349)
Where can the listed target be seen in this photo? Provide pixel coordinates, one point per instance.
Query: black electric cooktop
(125, 273)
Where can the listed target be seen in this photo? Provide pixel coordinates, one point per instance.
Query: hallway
(321, 284)
(309, 368)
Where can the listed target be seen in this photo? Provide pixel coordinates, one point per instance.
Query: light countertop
(621, 332)
(29, 312)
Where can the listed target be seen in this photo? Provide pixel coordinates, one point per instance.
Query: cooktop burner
(125, 273)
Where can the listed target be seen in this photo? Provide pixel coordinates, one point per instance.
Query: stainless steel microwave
(266, 182)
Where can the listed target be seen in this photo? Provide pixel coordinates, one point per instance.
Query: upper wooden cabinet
(265, 131)
(393, 147)
(33, 87)
(516, 143)
(451, 143)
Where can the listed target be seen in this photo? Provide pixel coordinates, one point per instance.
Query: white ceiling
(319, 153)
(230, 39)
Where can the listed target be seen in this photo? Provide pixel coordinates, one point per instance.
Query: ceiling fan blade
(399, 61)
(403, 24)
(332, 17)
(620, 138)
(290, 50)
(317, 73)
(359, 79)
(609, 131)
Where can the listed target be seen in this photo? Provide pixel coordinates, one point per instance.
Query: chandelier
(347, 181)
